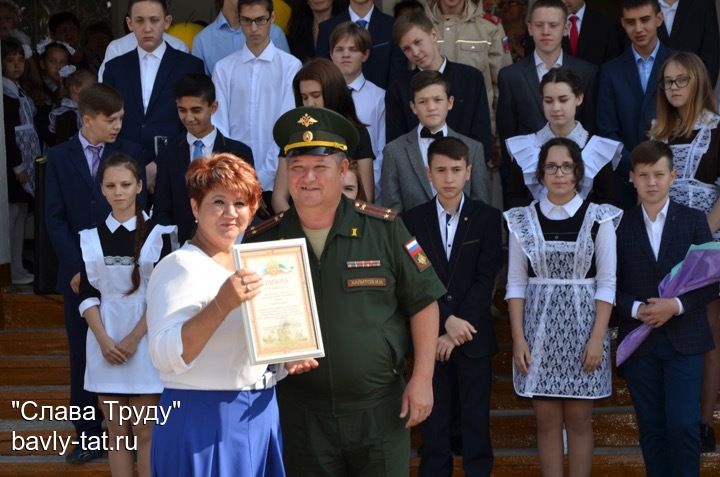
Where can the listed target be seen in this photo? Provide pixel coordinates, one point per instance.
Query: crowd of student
(547, 112)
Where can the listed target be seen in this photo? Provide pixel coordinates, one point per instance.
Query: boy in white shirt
(349, 49)
(254, 88)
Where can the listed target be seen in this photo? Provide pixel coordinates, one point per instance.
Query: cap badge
(307, 120)
(307, 136)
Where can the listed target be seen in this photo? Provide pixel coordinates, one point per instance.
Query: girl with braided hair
(118, 257)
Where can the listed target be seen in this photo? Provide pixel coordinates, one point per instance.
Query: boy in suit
(404, 178)
(385, 59)
(417, 38)
(591, 36)
(195, 100)
(628, 87)
(519, 106)
(73, 202)
(145, 77)
(462, 239)
(664, 374)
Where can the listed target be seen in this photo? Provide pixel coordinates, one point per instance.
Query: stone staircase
(34, 367)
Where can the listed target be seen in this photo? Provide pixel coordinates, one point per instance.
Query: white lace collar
(579, 135)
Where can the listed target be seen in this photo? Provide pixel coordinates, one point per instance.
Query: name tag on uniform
(363, 263)
(366, 282)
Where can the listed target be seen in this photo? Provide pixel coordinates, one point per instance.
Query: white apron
(111, 276)
(560, 308)
(687, 190)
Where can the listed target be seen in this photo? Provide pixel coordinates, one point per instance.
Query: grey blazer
(404, 179)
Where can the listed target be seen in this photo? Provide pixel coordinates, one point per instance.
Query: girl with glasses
(560, 291)
(687, 120)
(562, 93)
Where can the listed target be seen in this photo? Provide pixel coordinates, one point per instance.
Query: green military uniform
(343, 417)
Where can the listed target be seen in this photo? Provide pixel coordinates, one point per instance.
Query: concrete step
(34, 370)
(51, 395)
(33, 341)
(27, 310)
(607, 462)
(51, 466)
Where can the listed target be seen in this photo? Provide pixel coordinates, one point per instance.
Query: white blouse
(181, 285)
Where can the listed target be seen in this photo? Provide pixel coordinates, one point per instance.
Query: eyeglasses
(259, 21)
(565, 167)
(680, 82)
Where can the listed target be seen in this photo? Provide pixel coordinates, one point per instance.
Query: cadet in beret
(351, 416)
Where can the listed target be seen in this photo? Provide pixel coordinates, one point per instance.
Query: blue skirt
(218, 434)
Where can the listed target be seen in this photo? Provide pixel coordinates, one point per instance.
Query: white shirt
(424, 143)
(448, 226)
(354, 16)
(128, 43)
(181, 285)
(540, 66)
(578, 23)
(369, 102)
(149, 66)
(669, 12)
(208, 142)
(605, 254)
(252, 93)
(654, 230)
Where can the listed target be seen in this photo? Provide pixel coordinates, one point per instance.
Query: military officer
(468, 35)
(351, 415)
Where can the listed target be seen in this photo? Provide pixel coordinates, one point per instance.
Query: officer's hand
(459, 330)
(417, 401)
(301, 366)
(445, 347)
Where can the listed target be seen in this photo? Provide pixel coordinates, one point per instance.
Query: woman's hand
(301, 366)
(239, 287)
(521, 356)
(110, 351)
(128, 345)
(592, 355)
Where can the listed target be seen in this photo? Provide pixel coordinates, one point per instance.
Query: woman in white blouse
(226, 422)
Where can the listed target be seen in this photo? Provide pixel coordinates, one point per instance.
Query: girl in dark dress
(65, 120)
(321, 84)
(302, 30)
(118, 257)
(687, 119)
(22, 147)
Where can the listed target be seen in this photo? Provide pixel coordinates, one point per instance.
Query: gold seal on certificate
(281, 322)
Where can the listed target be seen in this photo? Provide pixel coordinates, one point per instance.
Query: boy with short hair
(664, 374)
(519, 106)
(74, 202)
(405, 183)
(416, 36)
(254, 88)
(145, 77)
(196, 103)
(628, 87)
(349, 49)
(463, 241)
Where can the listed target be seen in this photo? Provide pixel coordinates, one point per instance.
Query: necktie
(425, 132)
(448, 245)
(197, 149)
(362, 24)
(574, 34)
(95, 163)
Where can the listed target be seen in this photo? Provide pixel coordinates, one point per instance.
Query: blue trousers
(665, 388)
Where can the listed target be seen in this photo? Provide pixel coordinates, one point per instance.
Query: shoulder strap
(375, 211)
(265, 225)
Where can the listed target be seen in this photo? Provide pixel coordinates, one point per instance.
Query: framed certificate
(281, 322)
